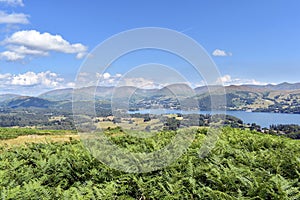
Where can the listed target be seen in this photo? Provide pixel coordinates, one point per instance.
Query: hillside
(67, 94)
(27, 102)
(281, 86)
(242, 165)
(58, 95)
(284, 97)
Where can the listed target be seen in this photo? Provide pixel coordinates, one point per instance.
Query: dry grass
(106, 124)
(21, 140)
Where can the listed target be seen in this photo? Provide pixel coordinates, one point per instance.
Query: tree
(172, 124)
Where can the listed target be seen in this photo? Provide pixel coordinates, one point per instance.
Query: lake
(261, 118)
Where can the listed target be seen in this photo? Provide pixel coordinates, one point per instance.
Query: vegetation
(288, 130)
(244, 164)
(36, 117)
(9, 133)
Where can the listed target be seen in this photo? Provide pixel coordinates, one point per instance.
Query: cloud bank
(46, 79)
(31, 83)
(33, 43)
(228, 80)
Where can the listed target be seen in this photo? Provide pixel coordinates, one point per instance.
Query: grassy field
(21, 140)
(136, 124)
(20, 136)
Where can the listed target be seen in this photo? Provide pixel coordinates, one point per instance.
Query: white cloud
(107, 79)
(224, 79)
(4, 77)
(47, 79)
(227, 80)
(85, 79)
(32, 83)
(11, 56)
(22, 50)
(44, 41)
(32, 42)
(13, 18)
(106, 75)
(219, 52)
(102, 76)
(140, 83)
(13, 2)
(80, 55)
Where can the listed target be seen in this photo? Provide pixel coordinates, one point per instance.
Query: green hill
(26, 102)
(242, 165)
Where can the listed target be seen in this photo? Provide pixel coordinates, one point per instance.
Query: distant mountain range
(281, 86)
(283, 97)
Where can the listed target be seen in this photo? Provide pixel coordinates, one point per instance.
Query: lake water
(261, 118)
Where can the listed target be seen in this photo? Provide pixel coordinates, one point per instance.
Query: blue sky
(43, 43)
